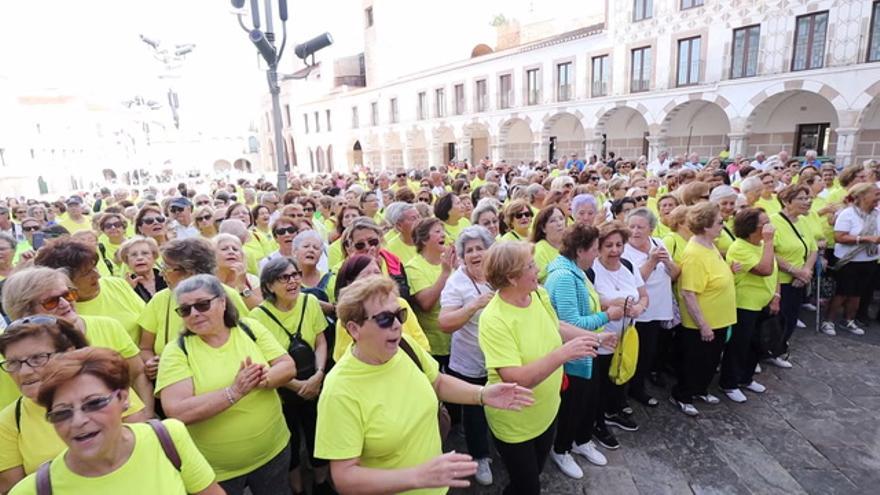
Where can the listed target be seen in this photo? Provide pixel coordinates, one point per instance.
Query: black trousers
(698, 362)
(476, 428)
(741, 354)
(524, 462)
(597, 393)
(574, 422)
(301, 417)
(789, 307)
(649, 333)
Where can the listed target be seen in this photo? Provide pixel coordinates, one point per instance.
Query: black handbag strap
(798, 234)
(405, 347)
(299, 325)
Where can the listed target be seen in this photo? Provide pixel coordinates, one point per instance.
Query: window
(809, 41)
(533, 86)
(601, 76)
(744, 62)
(368, 16)
(374, 113)
(505, 86)
(317, 123)
(641, 70)
(306, 122)
(329, 127)
(393, 116)
(439, 102)
(687, 4)
(688, 61)
(286, 114)
(423, 105)
(874, 40)
(642, 9)
(564, 81)
(480, 96)
(355, 118)
(459, 99)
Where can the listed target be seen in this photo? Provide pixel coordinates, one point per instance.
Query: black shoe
(623, 422)
(644, 399)
(605, 438)
(658, 380)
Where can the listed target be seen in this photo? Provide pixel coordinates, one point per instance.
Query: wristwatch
(246, 293)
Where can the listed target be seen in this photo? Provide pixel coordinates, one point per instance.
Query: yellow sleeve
(495, 339)
(693, 275)
(343, 339)
(122, 342)
(430, 367)
(266, 342)
(339, 433)
(411, 327)
(748, 259)
(10, 455)
(197, 474)
(418, 279)
(173, 367)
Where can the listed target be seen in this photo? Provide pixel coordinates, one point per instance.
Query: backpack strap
(18, 415)
(591, 274)
(44, 483)
(181, 342)
(166, 442)
(281, 325)
(103, 250)
(247, 330)
(405, 347)
(628, 264)
(322, 284)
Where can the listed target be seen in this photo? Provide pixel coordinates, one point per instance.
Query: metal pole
(280, 159)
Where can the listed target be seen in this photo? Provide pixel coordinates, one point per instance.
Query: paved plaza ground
(816, 431)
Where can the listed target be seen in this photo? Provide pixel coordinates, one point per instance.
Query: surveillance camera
(308, 48)
(150, 41)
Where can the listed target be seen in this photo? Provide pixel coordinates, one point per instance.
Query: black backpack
(623, 261)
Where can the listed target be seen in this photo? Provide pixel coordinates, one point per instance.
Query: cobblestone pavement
(816, 430)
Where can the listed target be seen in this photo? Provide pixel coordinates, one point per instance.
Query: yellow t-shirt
(109, 255)
(411, 328)
(400, 249)
(160, 319)
(705, 273)
(116, 300)
(335, 256)
(105, 332)
(511, 336)
(511, 235)
(753, 292)
(421, 274)
(675, 245)
(726, 237)
(661, 230)
(770, 206)
(266, 241)
(313, 321)
(253, 252)
(544, 254)
(33, 440)
(452, 231)
(251, 432)
(385, 415)
(789, 246)
(147, 470)
(71, 226)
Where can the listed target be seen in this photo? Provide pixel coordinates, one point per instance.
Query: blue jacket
(569, 294)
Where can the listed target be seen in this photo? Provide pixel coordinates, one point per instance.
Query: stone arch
(622, 129)
(517, 140)
(480, 50)
(696, 125)
(565, 134)
(222, 165)
(776, 119)
(416, 148)
(772, 94)
(243, 165)
(356, 154)
(479, 136)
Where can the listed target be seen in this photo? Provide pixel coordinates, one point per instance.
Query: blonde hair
(122, 253)
(352, 298)
(702, 216)
(506, 260)
(23, 290)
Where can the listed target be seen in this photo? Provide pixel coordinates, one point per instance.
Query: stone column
(846, 145)
(592, 147)
(656, 144)
(435, 154)
(463, 150)
(540, 148)
(737, 143)
(495, 152)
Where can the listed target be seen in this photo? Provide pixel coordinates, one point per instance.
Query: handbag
(626, 354)
(771, 335)
(302, 353)
(444, 420)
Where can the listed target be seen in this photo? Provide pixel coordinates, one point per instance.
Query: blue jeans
(269, 479)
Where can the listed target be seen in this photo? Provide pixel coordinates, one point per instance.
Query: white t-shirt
(850, 222)
(617, 284)
(465, 356)
(658, 285)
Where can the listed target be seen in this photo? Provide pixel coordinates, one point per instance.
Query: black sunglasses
(32, 228)
(203, 218)
(385, 319)
(287, 277)
(361, 245)
(523, 214)
(641, 198)
(202, 306)
(152, 220)
(113, 225)
(176, 209)
(595, 178)
(284, 230)
(203, 203)
(88, 406)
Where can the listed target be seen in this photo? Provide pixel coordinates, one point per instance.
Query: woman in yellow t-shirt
(725, 198)
(219, 378)
(449, 209)
(377, 415)
(708, 308)
(139, 255)
(151, 222)
(203, 217)
(665, 205)
(287, 311)
(756, 287)
(676, 240)
(547, 237)
(522, 341)
(232, 269)
(517, 220)
(113, 226)
(104, 455)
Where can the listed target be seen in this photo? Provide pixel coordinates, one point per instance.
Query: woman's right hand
(481, 301)
(581, 347)
(767, 232)
(614, 313)
(450, 469)
(248, 378)
(151, 367)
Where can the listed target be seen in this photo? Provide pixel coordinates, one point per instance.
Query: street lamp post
(264, 41)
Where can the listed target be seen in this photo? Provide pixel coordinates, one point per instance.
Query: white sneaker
(758, 369)
(736, 395)
(853, 328)
(801, 324)
(484, 472)
(567, 465)
(688, 409)
(709, 399)
(756, 387)
(827, 328)
(779, 362)
(809, 307)
(590, 451)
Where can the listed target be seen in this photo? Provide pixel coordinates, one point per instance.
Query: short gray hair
(482, 207)
(534, 190)
(752, 183)
(472, 233)
(9, 240)
(304, 236)
(582, 200)
(643, 213)
(235, 227)
(211, 285)
(394, 212)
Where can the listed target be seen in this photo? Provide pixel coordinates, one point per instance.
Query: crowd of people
(328, 338)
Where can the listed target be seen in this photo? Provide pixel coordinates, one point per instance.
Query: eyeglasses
(493, 221)
(385, 319)
(151, 220)
(641, 198)
(203, 203)
(284, 230)
(361, 245)
(401, 175)
(595, 178)
(522, 214)
(201, 306)
(204, 218)
(176, 209)
(287, 277)
(51, 303)
(170, 269)
(114, 225)
(89, 406)
(35, 361)
(309, 210)
(32, 228)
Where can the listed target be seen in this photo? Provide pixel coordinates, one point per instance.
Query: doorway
(812, 137)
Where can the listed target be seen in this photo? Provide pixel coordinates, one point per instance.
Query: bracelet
(229, 395)
(481, 395)
(777, 295)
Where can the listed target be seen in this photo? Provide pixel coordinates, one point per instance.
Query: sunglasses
(309, 210)
(425, 200)
(32, 228)
(287, 277)
(203, 218)
(595, 178)
(51, 303)
(361, 245)
(401, 175)
(385, 319)
(114, 225)
(89, 406)
(201, 306)
(284, 230)
(523, 214)
(203, 203)
(151, 220)
(641, 198)
(176, 209)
